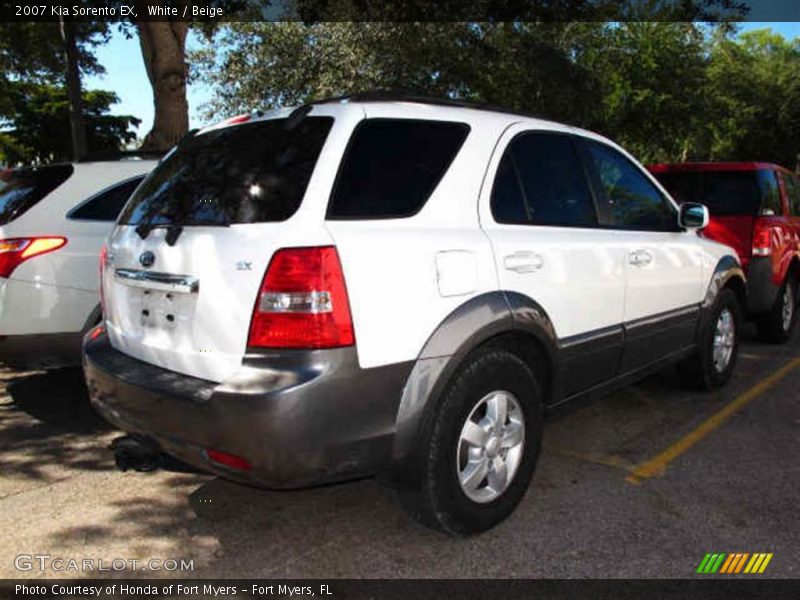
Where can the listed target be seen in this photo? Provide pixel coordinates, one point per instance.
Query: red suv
(755, 209)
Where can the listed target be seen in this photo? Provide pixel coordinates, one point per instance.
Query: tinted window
(392, 167)
(635, 202)
(107, 205)
(769, 193)
(540, 181)
(793, 193)
(725, 193)
(248, 173)
(21, 189)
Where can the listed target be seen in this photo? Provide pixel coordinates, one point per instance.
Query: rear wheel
(778, 324)
(718, 346)
(479, 456)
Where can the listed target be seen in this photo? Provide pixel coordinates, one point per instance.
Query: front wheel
(718, 346)
(777, 325)
(480, 453)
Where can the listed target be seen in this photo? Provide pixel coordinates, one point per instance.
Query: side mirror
(693, 216)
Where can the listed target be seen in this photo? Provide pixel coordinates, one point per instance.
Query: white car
(401, 288)
(53, 220)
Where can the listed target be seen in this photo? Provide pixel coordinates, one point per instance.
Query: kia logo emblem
(147, 259)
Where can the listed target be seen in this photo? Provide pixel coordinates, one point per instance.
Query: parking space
(641, 484)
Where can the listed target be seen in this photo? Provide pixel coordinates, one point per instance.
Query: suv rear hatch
(184, 265)
(735, 199)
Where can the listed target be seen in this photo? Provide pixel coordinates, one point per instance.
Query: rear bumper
(298, 417)
(762, 290)
(41, 350)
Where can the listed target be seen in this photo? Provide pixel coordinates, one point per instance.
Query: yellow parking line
(656, 466)
(612, 460)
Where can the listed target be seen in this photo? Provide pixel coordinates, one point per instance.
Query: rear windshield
(21, 189)
(251, 173)
(725, 193)
(392, 166)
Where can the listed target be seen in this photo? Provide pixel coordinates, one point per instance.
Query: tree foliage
(34, 52)
(667, 90)
(40, 116)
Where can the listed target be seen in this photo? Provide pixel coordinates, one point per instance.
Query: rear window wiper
(173, 233)
(174, 230)
(144, 229)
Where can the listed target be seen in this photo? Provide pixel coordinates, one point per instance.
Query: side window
(792, 184)
(392, 166)
(540, 181)
(106, 205)
(770, 194)
(635, 202)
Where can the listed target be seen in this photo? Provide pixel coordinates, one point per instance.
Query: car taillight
(103, 260)
(762, 241)
(228, 460)
(15, 251)
(302, 302)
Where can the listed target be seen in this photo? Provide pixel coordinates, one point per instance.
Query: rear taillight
(762, 241)
(15, 251)
(228, 460)
(302, 302)
(103, 260)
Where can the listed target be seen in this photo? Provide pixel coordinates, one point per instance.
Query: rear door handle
(640, 258)
(523, 262)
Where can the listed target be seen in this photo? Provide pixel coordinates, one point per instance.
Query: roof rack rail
(390, 96)
(113, 155)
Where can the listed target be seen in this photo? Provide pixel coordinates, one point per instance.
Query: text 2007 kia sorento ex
(401, 288)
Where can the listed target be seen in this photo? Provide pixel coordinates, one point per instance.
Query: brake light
(228, 460)
(103, 260)
(15, 251)
(237, 119)
(302, 302)
(762, 241)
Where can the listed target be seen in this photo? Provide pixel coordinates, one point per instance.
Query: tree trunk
(73, 79)
(164, 51)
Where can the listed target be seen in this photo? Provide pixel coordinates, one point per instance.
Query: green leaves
(39, 123)
(668, 90)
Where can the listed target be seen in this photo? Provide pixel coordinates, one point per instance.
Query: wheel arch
(794, 268)
(498, 319)
(728, 273)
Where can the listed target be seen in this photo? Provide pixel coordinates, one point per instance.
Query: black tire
(771, 326)
(699, 371)
(439, 501)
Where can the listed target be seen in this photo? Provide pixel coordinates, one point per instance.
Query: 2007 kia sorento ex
(399, 288)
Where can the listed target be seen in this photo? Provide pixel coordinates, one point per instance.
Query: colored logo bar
(733, 563)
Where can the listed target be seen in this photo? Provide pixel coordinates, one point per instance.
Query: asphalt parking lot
(641, 484)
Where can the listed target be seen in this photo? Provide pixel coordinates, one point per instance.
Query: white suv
(53, 221)
(402, 288)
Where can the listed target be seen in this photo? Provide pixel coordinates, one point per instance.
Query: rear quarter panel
(405, 276)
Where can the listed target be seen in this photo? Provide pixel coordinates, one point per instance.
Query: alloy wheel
(490, 446)
(788, 307)
(724, 340)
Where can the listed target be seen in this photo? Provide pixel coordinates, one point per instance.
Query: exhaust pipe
(137, 453)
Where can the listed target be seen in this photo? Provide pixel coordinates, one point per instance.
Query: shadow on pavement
(57, 398)
(48, 428)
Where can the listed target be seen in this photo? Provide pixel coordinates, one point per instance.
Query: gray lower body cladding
(762, 291)
(299, 418)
